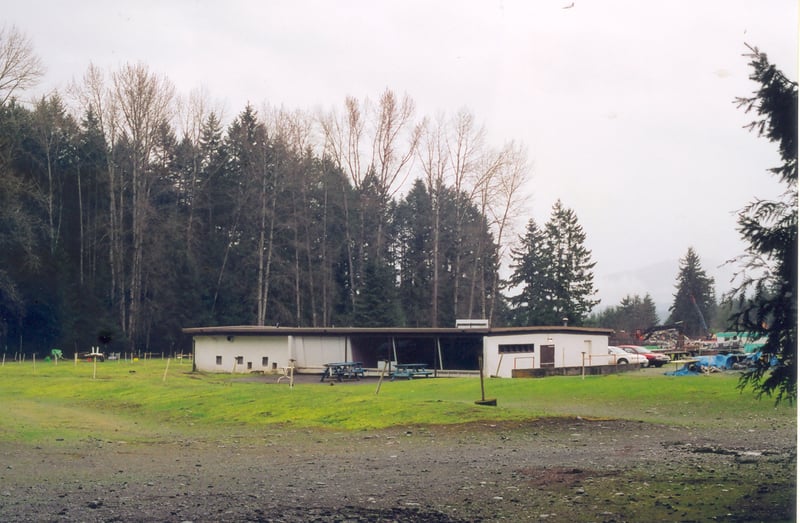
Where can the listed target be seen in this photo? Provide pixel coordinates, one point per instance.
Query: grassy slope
(134, 399)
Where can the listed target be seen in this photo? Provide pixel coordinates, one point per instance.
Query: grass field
(147, 399)
(154, 431)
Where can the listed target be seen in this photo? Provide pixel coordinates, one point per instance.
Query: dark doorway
(436, 351)
(547, 355)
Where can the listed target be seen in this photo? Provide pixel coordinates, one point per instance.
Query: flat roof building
(243, 349)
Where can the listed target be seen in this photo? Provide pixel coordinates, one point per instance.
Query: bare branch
(391, 158)
(20, 68)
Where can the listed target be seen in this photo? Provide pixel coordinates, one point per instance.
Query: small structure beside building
(514, 351)
(504, 351)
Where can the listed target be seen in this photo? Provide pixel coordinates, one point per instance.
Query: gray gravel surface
(547, 470)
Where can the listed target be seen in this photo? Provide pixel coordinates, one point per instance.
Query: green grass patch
(134, 400)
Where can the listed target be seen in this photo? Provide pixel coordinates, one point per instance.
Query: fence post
(583, 365)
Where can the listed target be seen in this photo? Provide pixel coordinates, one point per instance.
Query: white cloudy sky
(625, 106)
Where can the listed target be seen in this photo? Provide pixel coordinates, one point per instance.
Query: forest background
(133, 216)
(129, 213)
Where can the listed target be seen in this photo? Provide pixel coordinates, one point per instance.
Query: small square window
(240, 360)
(265, 361)
(219, 360)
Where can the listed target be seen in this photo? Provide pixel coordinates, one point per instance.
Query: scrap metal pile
(667, 339)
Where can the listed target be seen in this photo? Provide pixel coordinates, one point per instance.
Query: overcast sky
(625, 107)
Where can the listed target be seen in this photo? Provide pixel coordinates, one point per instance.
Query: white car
(620, 357)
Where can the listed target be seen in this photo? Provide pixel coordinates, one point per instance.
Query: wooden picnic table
(410, 371)
(343, 370)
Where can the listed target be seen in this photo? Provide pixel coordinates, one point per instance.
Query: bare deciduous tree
(20, 67)
(469, 168)
(133, 109)
(94, 96)
(293, 132)
(193, 113)
(343, 137)
(391, 156)
(377, 167)
(434, 161)
(501, 202)
(454, 156)
(145, 103)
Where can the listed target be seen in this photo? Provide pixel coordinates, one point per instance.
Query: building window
(219, 360)
(240, 360)
(249, 365)
(515, 347)
(264, 361)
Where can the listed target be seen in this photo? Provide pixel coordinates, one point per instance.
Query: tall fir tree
(571, 265)
(554, 270)
(694, 299)
(413, 233)
(766, 300)
(529, 263)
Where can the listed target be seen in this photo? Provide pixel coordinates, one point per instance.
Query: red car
(654, 359)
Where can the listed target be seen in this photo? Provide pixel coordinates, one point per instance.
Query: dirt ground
(546, 470)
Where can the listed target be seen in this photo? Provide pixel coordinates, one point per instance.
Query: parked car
(653, 358)
(620, 357)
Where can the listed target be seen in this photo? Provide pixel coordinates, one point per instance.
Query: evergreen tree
(413, 232)
(237, 222)
(451, 278)
(630, 318)
(641, 311)
(766, 300)
(554, 269)
(530, 272)
(571, 268)
(377, 304)
(694, 298)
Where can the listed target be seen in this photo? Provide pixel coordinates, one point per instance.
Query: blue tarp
(703, 364)
(717, 362)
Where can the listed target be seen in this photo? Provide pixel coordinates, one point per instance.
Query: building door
(547, 356)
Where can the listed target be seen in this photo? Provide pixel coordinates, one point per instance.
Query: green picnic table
(343, 370)
(411, 371)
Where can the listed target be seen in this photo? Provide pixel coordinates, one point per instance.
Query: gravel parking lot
(553, 469)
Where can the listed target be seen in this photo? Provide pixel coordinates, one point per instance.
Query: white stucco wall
(309, 352)
(251, 351)
(313, 352)
(569, 349)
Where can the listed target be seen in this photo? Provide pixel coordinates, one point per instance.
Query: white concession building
(505, 352)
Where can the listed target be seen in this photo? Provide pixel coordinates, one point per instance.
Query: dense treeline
(127, 214)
